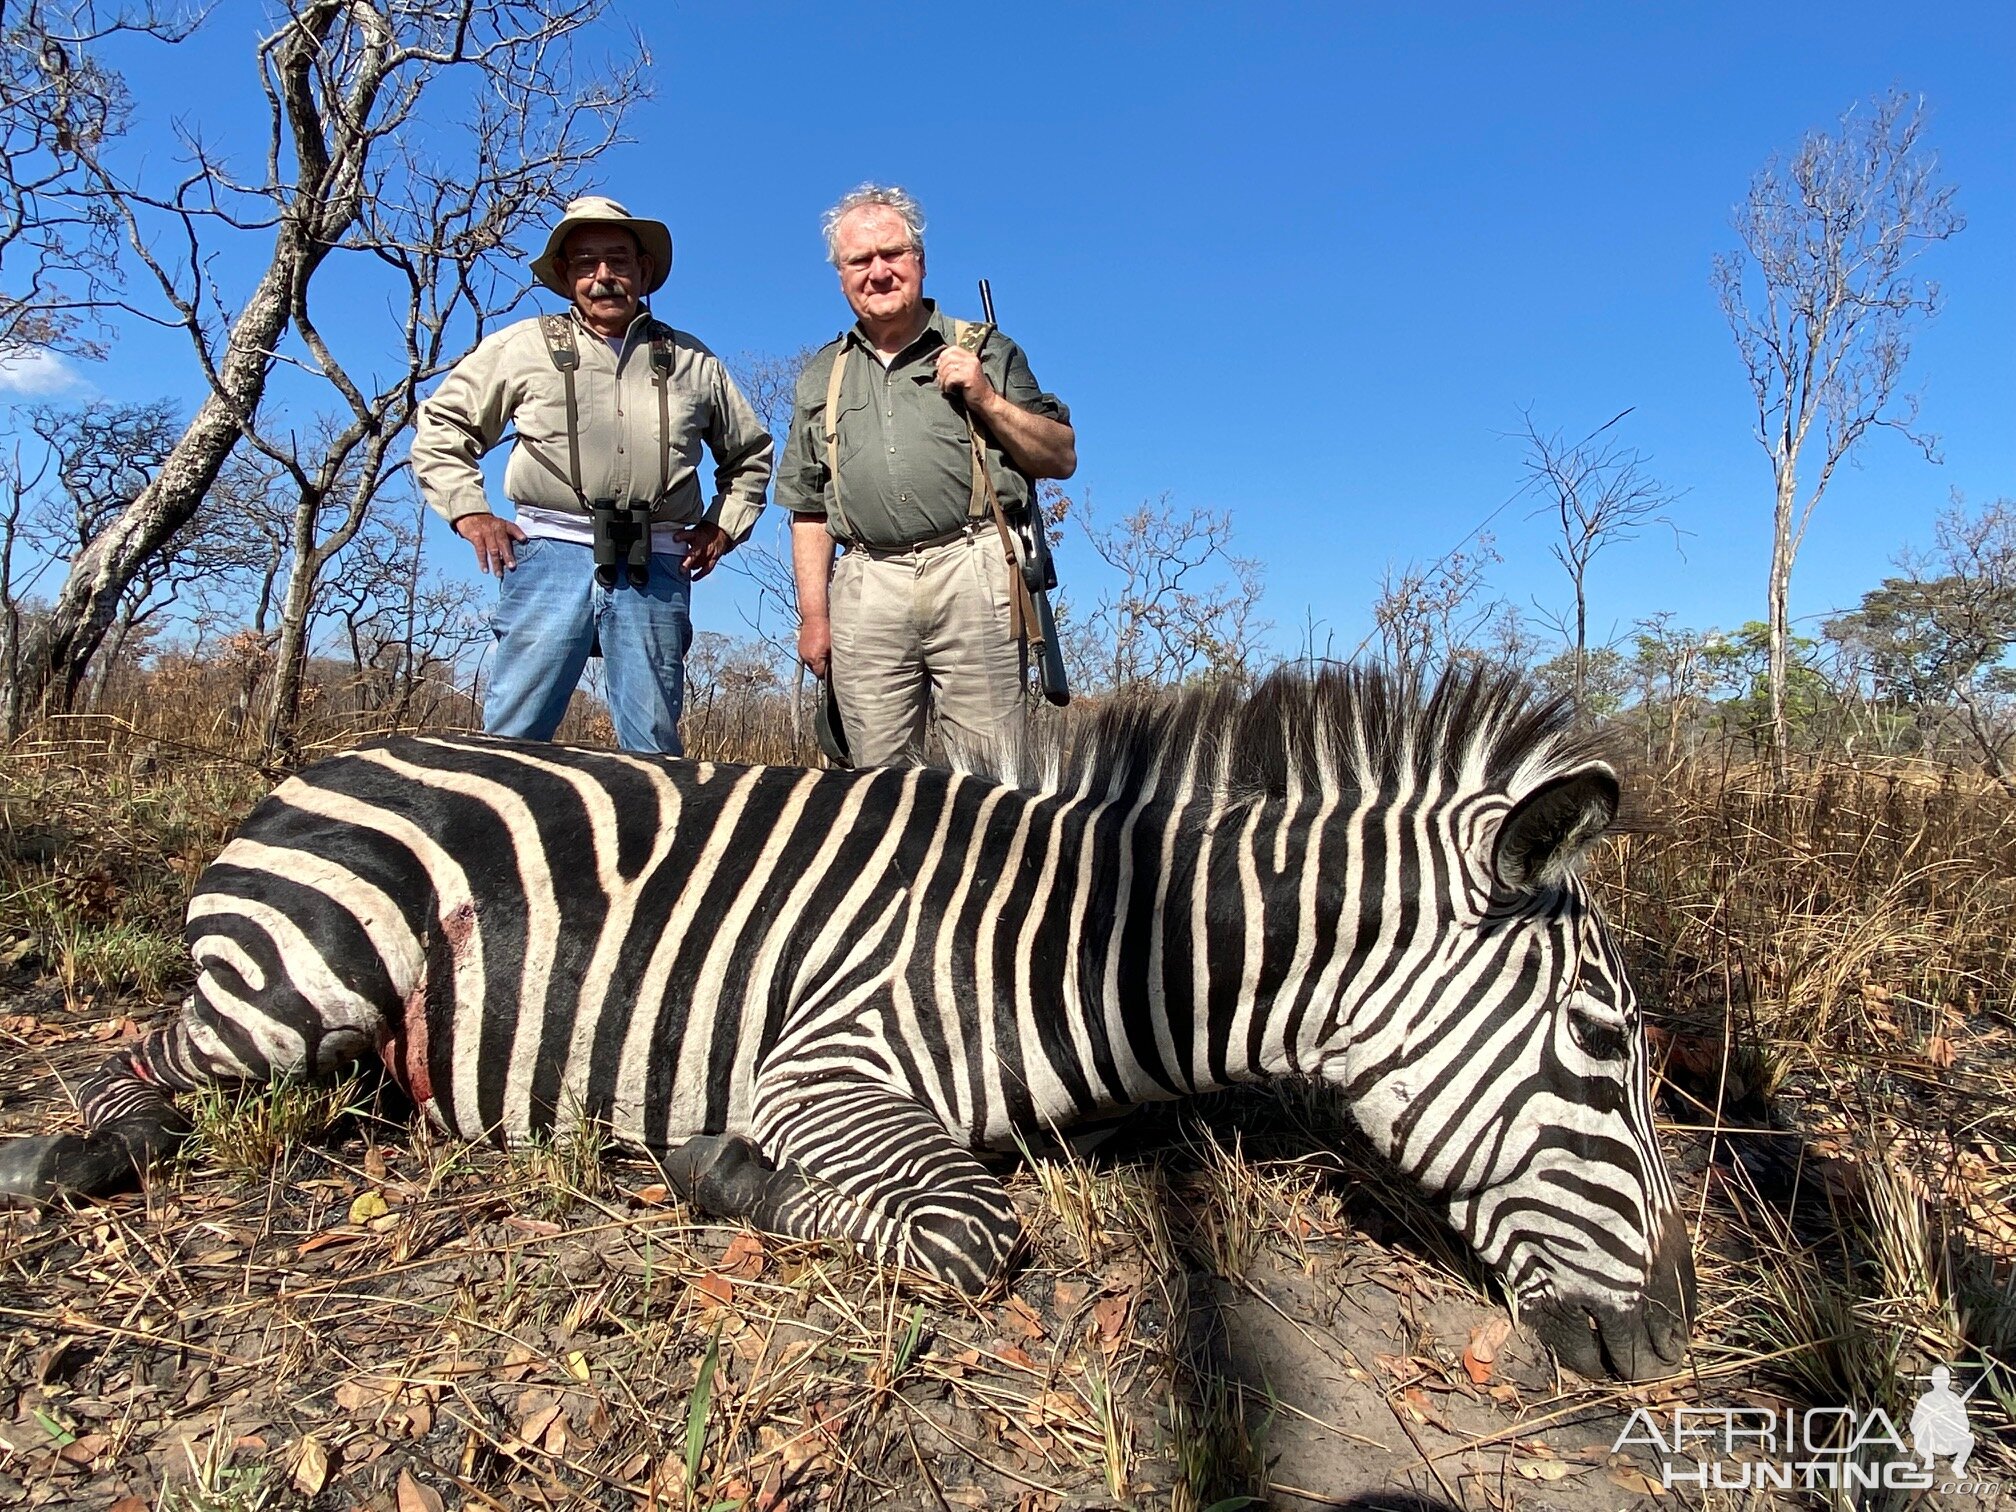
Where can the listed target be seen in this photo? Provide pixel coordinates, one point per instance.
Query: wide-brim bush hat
(653, 239)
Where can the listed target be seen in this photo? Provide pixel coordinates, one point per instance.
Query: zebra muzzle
(1641, 1341)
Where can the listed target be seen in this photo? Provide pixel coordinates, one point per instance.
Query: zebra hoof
(720, 1174)
(34, 1170)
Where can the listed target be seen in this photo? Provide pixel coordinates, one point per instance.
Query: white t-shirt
(560, 525)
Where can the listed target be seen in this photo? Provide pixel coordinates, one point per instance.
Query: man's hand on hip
(705, 545)
(961, 376)
(495, 541)
(815, 645)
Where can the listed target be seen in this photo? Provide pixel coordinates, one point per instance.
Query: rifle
(1039, 571)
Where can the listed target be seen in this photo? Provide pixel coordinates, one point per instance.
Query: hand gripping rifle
(1039, 570)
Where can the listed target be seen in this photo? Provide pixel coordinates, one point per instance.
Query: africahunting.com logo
(1837, 1448)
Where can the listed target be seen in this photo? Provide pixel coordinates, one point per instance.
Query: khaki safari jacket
(510, 380)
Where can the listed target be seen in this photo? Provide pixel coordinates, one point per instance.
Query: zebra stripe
(810, 993)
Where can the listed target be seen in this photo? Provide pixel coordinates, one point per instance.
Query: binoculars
(622, 533)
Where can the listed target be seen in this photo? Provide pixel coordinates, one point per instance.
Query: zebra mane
(1340, 728)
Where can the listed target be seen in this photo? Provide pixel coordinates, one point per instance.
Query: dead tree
(1185, 604)
(347, 156)
(1822, 296)
(1426, 618)
(1599, 494)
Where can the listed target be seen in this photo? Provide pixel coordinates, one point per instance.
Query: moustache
(602, 288)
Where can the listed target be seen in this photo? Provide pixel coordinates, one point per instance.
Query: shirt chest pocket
(687, 419)
(860, 429)
(941, 419)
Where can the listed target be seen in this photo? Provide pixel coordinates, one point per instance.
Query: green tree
(1937, 637)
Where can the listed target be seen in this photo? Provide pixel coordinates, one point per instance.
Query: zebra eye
(1597, 1029)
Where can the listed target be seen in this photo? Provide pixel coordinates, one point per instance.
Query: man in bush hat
(611, 407)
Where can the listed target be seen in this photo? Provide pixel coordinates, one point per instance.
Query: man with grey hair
(901, 428)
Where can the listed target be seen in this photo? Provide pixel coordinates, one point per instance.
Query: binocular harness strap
(636, 523)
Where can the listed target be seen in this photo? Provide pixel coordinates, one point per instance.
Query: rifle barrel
(986, 302)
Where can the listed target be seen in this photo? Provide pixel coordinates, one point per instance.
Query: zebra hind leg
(861, 1163)
(130, 1124)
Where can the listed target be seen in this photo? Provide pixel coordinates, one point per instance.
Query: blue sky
(1307, 263)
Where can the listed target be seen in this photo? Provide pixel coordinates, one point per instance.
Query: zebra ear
(1552, 828)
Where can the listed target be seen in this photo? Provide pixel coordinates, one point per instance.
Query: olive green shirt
(906, 470)
(509, 383)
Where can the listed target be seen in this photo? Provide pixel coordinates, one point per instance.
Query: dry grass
(1833, 969)
(318, 1299)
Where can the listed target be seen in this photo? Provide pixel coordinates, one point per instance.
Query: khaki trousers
(933, 622)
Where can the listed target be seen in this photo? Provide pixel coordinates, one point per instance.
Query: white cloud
(35, 373)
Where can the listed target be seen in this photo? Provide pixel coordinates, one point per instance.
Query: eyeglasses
(622, 264)
(861, 260)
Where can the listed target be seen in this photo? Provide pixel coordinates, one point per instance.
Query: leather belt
(882, 553)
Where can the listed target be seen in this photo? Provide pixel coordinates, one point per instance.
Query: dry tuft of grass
(248, 1130)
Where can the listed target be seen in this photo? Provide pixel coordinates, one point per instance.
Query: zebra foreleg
(861, 1163)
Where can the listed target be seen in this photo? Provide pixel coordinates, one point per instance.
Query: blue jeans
(550, 613)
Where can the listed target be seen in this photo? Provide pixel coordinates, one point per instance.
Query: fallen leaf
(577, 1364)
(1939, 1051)
(328, 1237)
(128, 1504)
(532, 1427)
(374, 1162)
(744, 1256)
(1109, 1316)
(1015, 1356)
(1023, 1319)
(655, 1195)
(84, 1448)
(1415, 1400)
(716, 1288)
(365, 1395)
(414, 1497)
(311, 1466)
(1052, 1408)
(555, 1439)
(1636, 1482)
(1486, 1339)
(1541, 1470)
